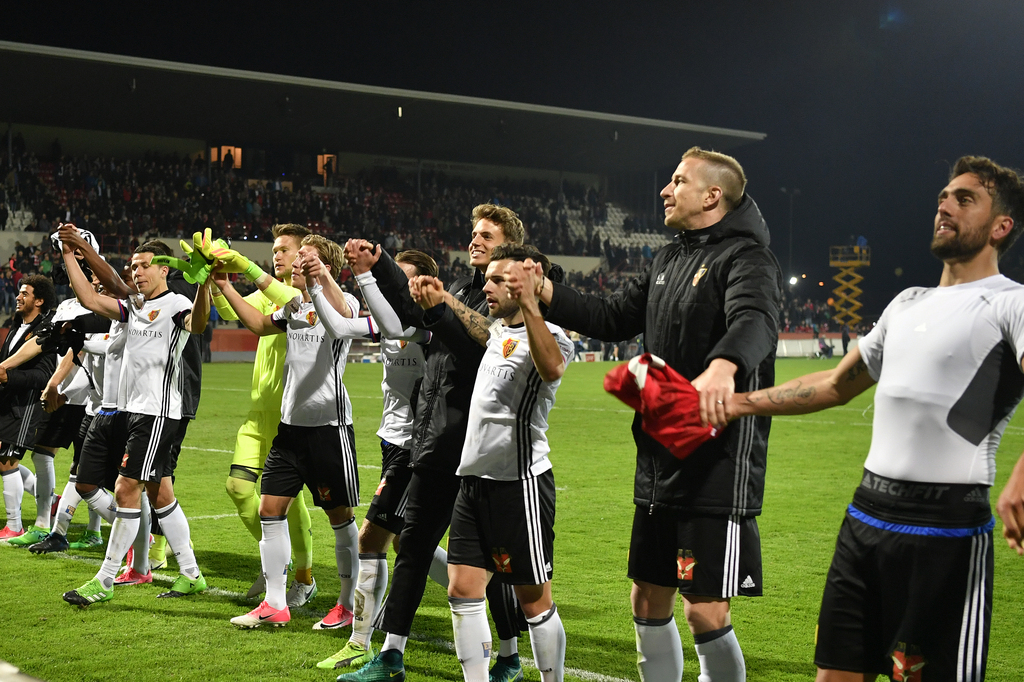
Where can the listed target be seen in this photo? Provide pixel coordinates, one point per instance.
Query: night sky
(866, 104)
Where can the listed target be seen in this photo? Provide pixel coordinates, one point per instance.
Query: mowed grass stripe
(813, 469)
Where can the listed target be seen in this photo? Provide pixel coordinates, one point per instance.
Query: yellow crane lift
(848, 259)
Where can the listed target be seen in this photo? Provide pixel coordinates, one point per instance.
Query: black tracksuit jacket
(711, 293)
(453, 357)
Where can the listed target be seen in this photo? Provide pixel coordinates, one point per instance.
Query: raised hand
(361, 255)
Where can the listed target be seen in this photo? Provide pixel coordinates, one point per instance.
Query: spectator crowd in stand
(126, 201)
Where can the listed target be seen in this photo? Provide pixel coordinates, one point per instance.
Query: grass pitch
(814, 465)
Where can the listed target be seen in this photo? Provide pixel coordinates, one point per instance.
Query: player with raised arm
(257, 433)
(159, 324)
(191, 366)
(403, 356)
(315, 442)
(442, 408)
(909, 592)
(20, 411)
(503, 522)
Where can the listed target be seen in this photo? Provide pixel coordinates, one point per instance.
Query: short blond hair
(505, 218)
(721, 170)
(290, 230)
(329, 252)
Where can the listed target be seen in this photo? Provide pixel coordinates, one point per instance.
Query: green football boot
(30, 537)
(92, 592)
(184, 586)
(386, 666)
(89, 538)
(351, 656)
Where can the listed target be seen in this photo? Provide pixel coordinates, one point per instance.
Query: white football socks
(69, 501)
(472, 637)
(346, 552)
(394, 643)
(175, 529)
(721, 659)
(659, 649)
(122, 533)
(140, 546)
(370, 588)
(547, 637)
(28, 479)
(275, 551)
(45, 480)
(94, 520)
(14, 490)
(102, 502)
(438, 570)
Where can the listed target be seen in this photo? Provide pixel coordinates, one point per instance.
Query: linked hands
(523, 284)
(361, 255)
(427, 291)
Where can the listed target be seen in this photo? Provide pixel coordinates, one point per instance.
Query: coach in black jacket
(708, 305)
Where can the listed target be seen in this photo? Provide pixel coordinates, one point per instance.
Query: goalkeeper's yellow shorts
(254, 439)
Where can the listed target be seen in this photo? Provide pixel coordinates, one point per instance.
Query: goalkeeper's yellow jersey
(268, 370)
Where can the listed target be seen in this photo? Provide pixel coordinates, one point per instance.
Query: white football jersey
(403, 367)
(506, 432)
(314, 366)
(111, 364)
(150, 377)
(947, 361)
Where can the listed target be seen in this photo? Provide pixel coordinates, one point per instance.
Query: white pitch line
(314, 613)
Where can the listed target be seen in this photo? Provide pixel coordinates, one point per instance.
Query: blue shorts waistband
(908, 529)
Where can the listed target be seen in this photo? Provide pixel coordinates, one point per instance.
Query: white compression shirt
(947, 361)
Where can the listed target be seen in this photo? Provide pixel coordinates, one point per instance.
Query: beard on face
(961, 247)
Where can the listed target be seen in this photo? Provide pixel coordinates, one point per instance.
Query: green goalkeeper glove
(195, 270)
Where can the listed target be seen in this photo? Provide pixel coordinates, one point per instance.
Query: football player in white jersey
(159, 323)
(315, 442)
(402, 354)
(909, 592)
(503, 521)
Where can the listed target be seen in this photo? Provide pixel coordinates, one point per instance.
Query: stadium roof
(97, 91)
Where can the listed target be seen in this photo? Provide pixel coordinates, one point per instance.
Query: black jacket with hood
(711, 293)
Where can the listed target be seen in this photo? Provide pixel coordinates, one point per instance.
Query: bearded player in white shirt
(503, 521)
(159, 323)
(909, 592)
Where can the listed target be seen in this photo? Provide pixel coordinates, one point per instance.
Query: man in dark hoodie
(708, 305)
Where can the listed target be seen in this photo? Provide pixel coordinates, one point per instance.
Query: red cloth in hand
(668, 404)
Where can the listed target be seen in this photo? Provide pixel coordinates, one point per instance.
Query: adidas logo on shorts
(976, 495)
(748, 583)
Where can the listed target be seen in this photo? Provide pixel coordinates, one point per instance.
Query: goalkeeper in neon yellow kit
(257, 433)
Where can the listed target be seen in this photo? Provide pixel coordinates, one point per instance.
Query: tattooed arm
(476, 324)
(809, 393)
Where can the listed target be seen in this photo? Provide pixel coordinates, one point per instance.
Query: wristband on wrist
(253, 272)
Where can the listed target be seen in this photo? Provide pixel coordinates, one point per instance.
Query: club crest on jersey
(508, 346)
(124, 460)
(311, 318)
(502, 561)
(403, 344)
(153, 314)
(907, 662)
(700, 273)
(684, 565)
(325, 494)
